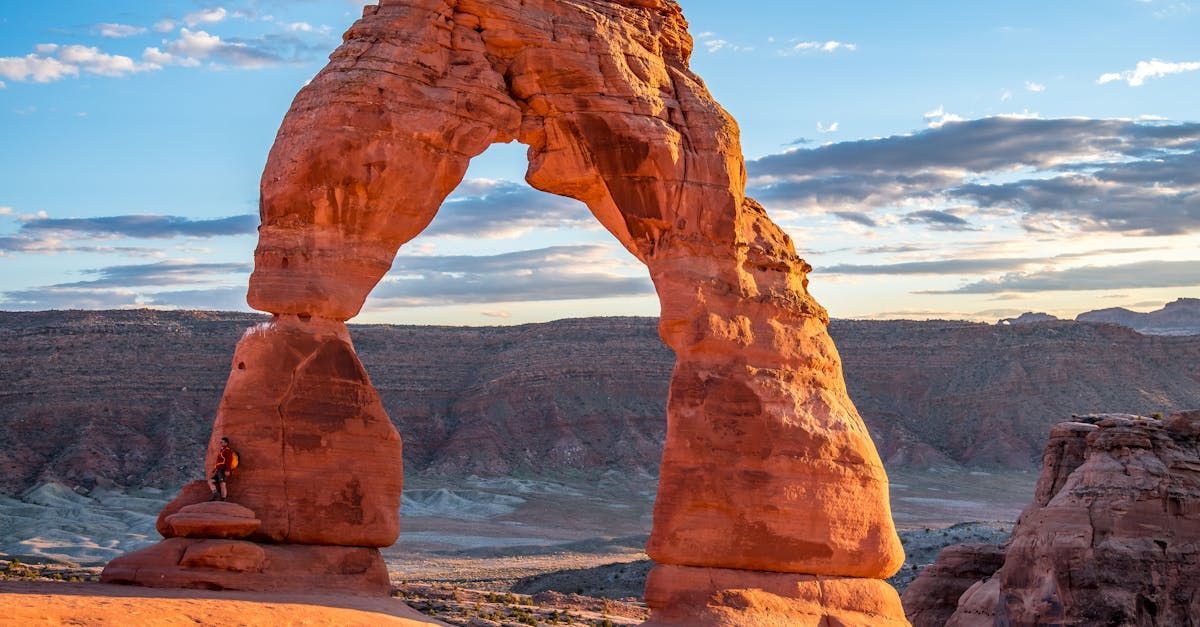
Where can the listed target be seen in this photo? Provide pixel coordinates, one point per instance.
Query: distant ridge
(1181, 317)
(92, 398)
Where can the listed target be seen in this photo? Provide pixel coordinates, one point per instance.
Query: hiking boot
(216, 497)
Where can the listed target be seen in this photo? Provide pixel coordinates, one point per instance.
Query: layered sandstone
(1112, 537)
(931, 393)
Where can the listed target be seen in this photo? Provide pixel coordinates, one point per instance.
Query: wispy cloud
(144, 226)
(545, 274)
(1138, 275)
(1145, 70)
(714, 44)
(205, 16)
(826, 47)
(211, 285)
(113, 30)
(1066, 174)
(497, 209)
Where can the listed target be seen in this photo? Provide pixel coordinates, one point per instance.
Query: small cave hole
(241, 365)
(285, 263)
(305, 317)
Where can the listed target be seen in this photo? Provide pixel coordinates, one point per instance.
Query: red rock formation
(932, 598)
(208, 564)
(1112, 537)
(767, 464)
(216, 519)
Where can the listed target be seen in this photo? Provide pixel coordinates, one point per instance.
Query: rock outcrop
(768, 473)
(931, 600)
(1112, 537)
(319, 480)
(216, 519)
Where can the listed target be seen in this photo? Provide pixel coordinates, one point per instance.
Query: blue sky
(933, 159)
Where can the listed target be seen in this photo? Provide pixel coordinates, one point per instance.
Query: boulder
(241, 565)
(214, 519)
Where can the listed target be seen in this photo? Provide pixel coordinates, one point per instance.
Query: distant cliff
(1181, 317)
(127, 397)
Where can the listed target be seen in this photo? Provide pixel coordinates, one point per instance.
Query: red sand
(32, 603)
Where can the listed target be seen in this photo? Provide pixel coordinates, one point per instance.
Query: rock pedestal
(317, 491)
(768, 476)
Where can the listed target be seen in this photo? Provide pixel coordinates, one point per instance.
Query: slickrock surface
(217, 519)
(1112, 537)
(601, 92)
(930, 392)
(99, 604)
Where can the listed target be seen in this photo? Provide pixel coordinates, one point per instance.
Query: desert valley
(531, 452)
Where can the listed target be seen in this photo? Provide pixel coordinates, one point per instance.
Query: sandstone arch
(772, 503)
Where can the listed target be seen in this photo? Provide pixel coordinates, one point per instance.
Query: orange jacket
(224, 459)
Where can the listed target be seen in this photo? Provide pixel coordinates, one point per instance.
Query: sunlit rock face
(1111, 538)
(767, 466)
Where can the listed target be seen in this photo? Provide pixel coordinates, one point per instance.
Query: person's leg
(224, 491)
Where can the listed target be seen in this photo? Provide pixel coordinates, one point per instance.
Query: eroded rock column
(318, 489)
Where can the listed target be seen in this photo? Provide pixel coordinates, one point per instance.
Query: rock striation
(769, 477)
(1111, 538)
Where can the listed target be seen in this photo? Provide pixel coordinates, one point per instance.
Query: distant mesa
(1030, 317)
(1181, 317)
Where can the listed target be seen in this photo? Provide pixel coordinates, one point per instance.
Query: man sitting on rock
(226, 462)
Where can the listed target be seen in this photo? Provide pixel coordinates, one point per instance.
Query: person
(220, 474)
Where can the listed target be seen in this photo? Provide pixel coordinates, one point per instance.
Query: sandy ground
(36, 603)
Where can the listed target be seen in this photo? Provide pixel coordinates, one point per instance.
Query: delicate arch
(767, 465)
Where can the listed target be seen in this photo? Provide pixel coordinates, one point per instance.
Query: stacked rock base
(209, 564)
(681, 596)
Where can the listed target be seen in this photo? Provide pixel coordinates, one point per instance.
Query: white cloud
(1006, 95)
(1154, 68)
(5, 211)
(2, 85)
(197, 44)
(118, 31)
(938, 117)
(205, 16)
(52, 62)
(823, 46)
(39, 69)
(300, 27)
(832, 128)
(164, 25)
(715, 44)
(93, 61)
(1034, 87)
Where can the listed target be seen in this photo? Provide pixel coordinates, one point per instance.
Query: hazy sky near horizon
(933, 159)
